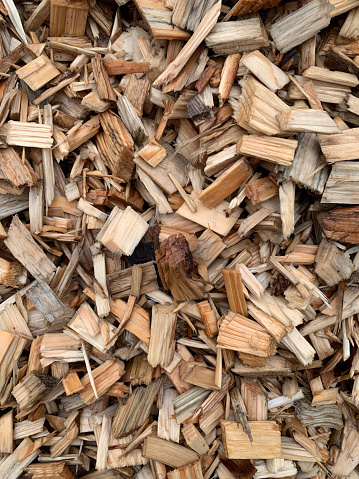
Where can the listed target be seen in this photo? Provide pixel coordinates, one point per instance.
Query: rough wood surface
(179, 239)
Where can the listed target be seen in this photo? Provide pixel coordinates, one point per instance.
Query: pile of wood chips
(179, 265)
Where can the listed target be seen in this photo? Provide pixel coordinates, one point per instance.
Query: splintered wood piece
(307, 121)
(255, 399)
(261, 190)
(300, 25)
(239, 36)
(258, 108)
(38, 72)
(122, 233)
(68, 19)
(14, 170)
(124, 67)
(234, 290)
(131, 119)
(347, 459)
(99, 266)
(307, 168)
(53, 470)
(135, 412)
(29, 134)
(104, 88)
(72, 384)
(228, 76)
(205, 26)
(30, 390)
(153, 153)
(158, 17)
(299, 346)
(115, 145)
(332, 264)
(23, 247)
(159, 174)
(89, 327)
(274, 327)
(193, 471)
(268, 73)
(104, 377)
(6, 433)
(168, 452)
(177, 269)
(287, 206)
(83, 133)
(199, 376)
(341, 186)
(327, 396)
(226, 184)
(120, 282)
(213, 218)
(210, 247)
(242, 334)
(167, 425)
(189, 13)
(340, 147)
(162, 345)
(194, 439)
(242, 7)
(209, 318)
(266, 443)
(250, 281)
(348, 31)
(60, 446)
(337, 77)
(136, 91)
(276, 150)
(46, 301)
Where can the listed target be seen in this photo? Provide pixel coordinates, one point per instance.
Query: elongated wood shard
(307, 121)
(341, 186)
(38, 72)
(307, 168)
(234, 289)
(68, 19)
(300, 25)
(14, 170)
(27, 252)
(226, 184)
(239, 36)
(168, 452)
(162, 344)
(215, 219)
(179, 226)
(258, 108)
(137, 409)
(205, 26)
(29, 134)
(115, 145)
(340, 147)
(275, 150)
(266, 442)
(122, 233)
(272, 76)
(242, 334)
